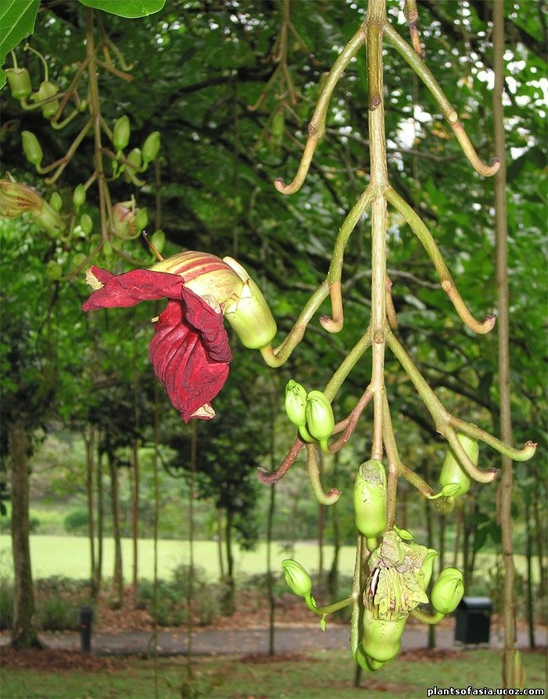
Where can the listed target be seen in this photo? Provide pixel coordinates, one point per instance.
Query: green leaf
(17, 19)
(126, 8)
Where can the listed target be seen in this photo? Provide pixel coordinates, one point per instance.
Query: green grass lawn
(321, 675)
(69, 556)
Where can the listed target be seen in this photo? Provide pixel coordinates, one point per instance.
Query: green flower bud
(32, 148)
(452, 474)
(121, 133)
(19, 83)
(381, 638)
(151, 147)
(447, 591)
(141, 219)
(56, 201)
(371, 501)
(134, 159)
(249, 315)
(320, 420)
(295, 403)
(79, 196)
(46, 91)
(158, 241)
(86, 223)
(297, 578)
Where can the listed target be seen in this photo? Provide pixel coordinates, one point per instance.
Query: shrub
(77, 521)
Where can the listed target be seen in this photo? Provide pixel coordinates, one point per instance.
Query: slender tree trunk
(24, 634)
(89, 439)
(270, 574)
(541, 534)
(118, 581)
(506, 482)
(220, 538)
(229, 601)
(135, 521)
(100, 524)
(529, 578)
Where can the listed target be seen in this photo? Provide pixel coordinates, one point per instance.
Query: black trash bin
(85, 618)
(473, 620)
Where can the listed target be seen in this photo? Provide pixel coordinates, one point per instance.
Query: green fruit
(453, 478)
(381, 639)
(46, 91)
(19, 83)
(371, 500)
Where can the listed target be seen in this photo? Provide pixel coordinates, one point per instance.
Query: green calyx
(371, 501)
(249, 315)
(381, 638)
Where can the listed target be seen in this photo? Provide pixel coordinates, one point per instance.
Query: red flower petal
(189, 351)
(123, 290)
(183, 358)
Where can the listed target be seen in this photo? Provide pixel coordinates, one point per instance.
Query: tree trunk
(89, 440)
(100, 525)
(271, 596)
(135, 522)
(229, 604)
(118, 581)
(24, 634)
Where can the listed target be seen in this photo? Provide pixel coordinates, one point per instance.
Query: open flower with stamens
(190, 351)
(17, 199)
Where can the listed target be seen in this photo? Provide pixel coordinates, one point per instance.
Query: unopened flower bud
(56, 201)
(427, 568)
(295, 403)
(79, 196)
(86, 223)
(249, 315)
(452, 473)
(447, 591)
(32, 148)
(123, 221)
(158, 241)
(151, 147)
(121, 133)
(297, 578)
(141, 219)
(19, 83)
(320, 420)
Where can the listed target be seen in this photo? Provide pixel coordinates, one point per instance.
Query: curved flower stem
(349, 425)
(313, 471)
(448, 111)
(448, 285)
(330, 608)
(275, 357)
(446, 424)
(316, 127)
(426, 618)
(65, 160)
(275, 476)
(334, 274)
(524, 454)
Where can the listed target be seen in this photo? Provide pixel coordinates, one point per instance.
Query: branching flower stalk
(391, 572)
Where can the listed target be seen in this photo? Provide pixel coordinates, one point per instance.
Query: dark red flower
(189, 351)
